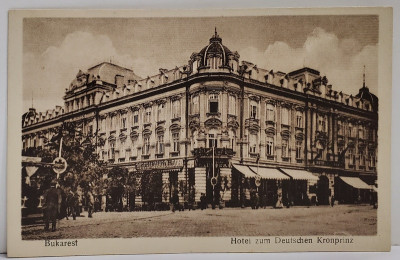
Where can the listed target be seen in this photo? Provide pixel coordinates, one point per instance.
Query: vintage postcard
(135, 131)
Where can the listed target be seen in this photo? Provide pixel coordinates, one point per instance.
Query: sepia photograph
(262, 129)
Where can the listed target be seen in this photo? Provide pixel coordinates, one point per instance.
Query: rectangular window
(252, 143)
(299, 153)
(340, 128)
(90, 130)
(160, 144)
(352, 157)
(195, 104)
(176, 109)
(160, 112)
(350, 130)
(112, 151)
(112, 123)
(212, 140)
(270, 113)
(136, 117)
(321, 124)
(146, 145)
(123, 122)
(285, 116)
(147, 117)
(175, 141)
(360, 133)
(213, 103)
(232, 105)
(285, 152)
(299, 119)
(270, 145)
(253, 110)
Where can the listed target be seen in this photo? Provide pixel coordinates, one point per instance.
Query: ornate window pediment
(122, 137)
(270, 130)
(299, 136)
(134, 135)
(175, 127)
(233, 124)
(146, 132)
(213, 123)
(285, 134)
(160, 129)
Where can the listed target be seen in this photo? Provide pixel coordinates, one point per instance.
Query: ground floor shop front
(225, 184)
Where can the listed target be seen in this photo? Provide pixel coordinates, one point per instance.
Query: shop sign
(160, 164)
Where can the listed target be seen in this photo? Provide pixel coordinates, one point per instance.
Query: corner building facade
(224, 129)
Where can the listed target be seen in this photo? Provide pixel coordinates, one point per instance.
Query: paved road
(322, 220)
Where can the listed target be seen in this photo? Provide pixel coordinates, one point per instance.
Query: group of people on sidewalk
(57, 205)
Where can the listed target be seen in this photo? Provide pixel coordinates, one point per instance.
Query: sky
(56, 48)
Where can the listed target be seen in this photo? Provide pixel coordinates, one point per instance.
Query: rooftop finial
(216, 31)
(364, 77)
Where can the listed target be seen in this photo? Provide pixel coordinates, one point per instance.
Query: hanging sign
(59, 165)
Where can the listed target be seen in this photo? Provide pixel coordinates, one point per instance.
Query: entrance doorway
(323, 191)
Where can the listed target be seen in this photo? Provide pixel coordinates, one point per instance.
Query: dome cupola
(215, 56)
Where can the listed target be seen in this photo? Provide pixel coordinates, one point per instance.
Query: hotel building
(224, 128)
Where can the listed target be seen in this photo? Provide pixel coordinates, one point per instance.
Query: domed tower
(365, 94)
(215, 57)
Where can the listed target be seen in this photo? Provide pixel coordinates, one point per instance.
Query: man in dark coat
(72, 204)
(90, 201)
(52, 208)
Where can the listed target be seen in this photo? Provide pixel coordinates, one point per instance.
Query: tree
(79, 151)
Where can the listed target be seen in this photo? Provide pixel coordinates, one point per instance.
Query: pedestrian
(332, 200)
(52, 206)
(90, 201)
(72, 204)
(203, 204)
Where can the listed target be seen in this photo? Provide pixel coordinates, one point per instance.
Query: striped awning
(356, 183)
(269, 173)
(300, 174)
(245, 170)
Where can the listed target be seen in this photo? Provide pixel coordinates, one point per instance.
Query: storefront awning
(269, 173)
(356, 183)
(300, 174)
(245, 170)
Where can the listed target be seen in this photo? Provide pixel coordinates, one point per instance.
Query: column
(166, 190)
(200, 180)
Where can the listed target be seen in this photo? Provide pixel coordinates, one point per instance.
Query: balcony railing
(217, 152)
(324, 163)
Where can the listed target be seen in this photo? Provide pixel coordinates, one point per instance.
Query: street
(323, 220)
